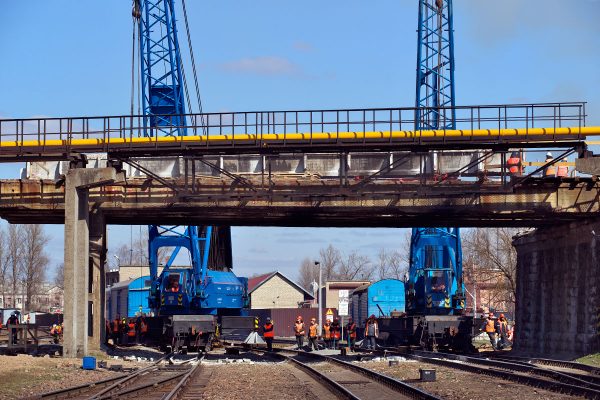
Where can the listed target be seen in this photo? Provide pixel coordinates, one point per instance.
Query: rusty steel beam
(311, 201)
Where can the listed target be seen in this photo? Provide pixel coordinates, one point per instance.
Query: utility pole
(318, 264)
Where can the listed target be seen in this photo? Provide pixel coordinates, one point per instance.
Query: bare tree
(331, 259)
(307, 274)
(391, 265)
(35, 261)
(14, 253)
(355, 267)
(59, 276)
(491, 262)
(136, 252)
(4, 270)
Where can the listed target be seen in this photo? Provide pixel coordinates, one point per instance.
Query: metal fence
(234, 124)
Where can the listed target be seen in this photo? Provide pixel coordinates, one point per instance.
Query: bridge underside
(312, 201)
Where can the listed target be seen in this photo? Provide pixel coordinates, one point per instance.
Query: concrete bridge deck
(313, 201)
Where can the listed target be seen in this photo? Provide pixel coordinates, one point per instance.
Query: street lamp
(318, 264)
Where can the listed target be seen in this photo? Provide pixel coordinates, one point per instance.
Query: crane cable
(197, 86)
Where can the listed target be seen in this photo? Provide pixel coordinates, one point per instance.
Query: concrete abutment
(85, 253)
(558, 291)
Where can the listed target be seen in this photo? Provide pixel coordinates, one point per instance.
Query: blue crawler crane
(435, 293)
(190, 302)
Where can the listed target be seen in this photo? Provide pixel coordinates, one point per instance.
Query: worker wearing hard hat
(299, 331)
(549, 170)
(269, 333)
(502, 330)
(489, 326)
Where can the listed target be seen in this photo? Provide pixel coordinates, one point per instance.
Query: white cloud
(266, 66)
(303, 46)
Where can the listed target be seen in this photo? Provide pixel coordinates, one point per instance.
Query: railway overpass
(287, 168)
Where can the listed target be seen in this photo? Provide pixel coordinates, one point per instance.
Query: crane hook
(135, 9)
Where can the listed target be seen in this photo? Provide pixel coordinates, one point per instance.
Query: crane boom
(435, 283)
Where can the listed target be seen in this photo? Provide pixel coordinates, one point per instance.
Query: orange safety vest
(143, 327)
(131, 332)
(550, 170)
(299, 328)
(327, 330)
(489, 326)
(115, 326)
(352, 330)
(269, 331)
(562, 171)
(335, 330)
(514, 164)
(312, 331)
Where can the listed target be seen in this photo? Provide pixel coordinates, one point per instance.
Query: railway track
(350, 381)
(163, 379)
(573, 384)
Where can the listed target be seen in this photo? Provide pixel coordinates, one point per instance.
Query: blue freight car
(128, 299)
(382, 299)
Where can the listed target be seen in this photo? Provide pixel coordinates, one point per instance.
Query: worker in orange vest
(269, 333)
(116, 327)
(549, 171)
(313, 335)
(562, 170)
(131, 332)
(142, 328)
(351, 329)
(514, 164)
(336, 332)
(502, 330)
(489, 326)
(299, 331)
(327, 334)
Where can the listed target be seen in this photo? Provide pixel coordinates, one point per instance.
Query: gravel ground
(23, 376)
(453, 384)
(264, 381)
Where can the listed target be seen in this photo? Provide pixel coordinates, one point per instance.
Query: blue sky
(64, 58)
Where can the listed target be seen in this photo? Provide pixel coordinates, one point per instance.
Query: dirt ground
(22, 376)
(264, 381)
(453, 384)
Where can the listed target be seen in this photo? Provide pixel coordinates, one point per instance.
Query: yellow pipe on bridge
(537, 134)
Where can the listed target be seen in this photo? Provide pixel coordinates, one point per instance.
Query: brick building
(275, 290)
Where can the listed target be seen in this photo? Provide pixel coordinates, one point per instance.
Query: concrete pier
(83, 277)
(558, 291)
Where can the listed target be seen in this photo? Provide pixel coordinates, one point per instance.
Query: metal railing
(308, 122)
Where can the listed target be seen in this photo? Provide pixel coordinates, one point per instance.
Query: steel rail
(182, 384)
(142, 388)
(131, 376)
(61, 393)
(392, 383)
(517, 366)
(557, 363)
(559, 387)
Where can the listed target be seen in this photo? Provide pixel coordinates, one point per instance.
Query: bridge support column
(558, 291)
(96, 285)
(78, 264)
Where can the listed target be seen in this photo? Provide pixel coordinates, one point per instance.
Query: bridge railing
(20, 132)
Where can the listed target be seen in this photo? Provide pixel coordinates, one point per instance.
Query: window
(172, 283)
(437, 281)
(18, 300)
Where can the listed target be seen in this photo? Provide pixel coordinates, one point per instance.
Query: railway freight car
(384, 299)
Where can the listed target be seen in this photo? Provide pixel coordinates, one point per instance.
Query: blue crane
(190, 299)
(435, 293)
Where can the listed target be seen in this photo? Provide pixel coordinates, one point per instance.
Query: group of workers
(330, 333)
(515, 166)
(123, 331)
(498, 331)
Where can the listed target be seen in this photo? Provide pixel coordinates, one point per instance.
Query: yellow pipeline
(545, 134)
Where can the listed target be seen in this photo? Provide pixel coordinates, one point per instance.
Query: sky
(73, 58)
